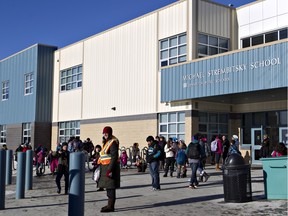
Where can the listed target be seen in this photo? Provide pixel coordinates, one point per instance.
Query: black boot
(178, 175)
(165, 174)
(184, 173)
(206, 177)
(200, 178)
(171, 174)
(110, 206)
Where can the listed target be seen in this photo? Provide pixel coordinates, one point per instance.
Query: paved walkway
(136, 198)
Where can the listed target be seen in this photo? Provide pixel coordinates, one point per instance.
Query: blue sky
(63, 22)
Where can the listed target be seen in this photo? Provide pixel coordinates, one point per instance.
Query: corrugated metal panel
(44, 83)
(120, 70)
(18, 108)
(250, 70)
(71, 56)
(214, 19)
(173, 20)
(70, 105)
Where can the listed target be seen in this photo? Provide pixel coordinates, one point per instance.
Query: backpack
(194, 151)
(214, 146)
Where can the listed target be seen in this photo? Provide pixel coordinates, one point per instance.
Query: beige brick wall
(127, 132)
(54, 137)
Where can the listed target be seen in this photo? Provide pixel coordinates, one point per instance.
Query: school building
(192, 66)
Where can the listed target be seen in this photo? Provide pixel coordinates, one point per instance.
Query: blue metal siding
(20, 108)
(237, 74)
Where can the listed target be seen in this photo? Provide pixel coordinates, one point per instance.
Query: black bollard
(29, 170)
(20, 179)
(9, 158)
(2, 178)
(76, 184)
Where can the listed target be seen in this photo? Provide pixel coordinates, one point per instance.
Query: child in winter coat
(123, 159)
(181, 159)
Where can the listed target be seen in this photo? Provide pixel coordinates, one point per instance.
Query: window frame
(177, 122)
(30, 82)
(69, 126)
(209, 46)
(3, 134)
(72, 78)
(26, 132)
(173, 59)
(5, 90)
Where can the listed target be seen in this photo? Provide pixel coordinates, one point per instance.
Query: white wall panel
(120, 69)
(263, 16)
(283, 20)
(173, 20)
(214, 19)
(163, 107)
(256, 12)
(70, 105)
(269, 24)
(269, 9)
(256, 28)
(282, 6)
(71, 56)
(55, 87)
(244, 31)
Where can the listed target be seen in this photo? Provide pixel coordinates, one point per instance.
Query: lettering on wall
(213, 76)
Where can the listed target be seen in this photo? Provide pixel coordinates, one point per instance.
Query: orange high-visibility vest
(105, 158)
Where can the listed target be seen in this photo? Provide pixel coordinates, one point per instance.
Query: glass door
(283, 135)
(256, 138)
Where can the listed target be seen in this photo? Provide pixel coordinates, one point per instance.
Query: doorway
(256, 139)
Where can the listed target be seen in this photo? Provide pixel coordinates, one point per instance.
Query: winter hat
(107, 130)
(195, 137)
(64, 144)
(98, 146)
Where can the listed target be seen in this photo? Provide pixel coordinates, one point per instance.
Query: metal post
(29, 170)
(77, 184)
(9, 158)
(2, 178)
(20, 179)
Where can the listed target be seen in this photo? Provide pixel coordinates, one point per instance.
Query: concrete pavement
(136, 198)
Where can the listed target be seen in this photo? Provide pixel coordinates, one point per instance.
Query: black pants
(66, 179)
(170, 161)
(111, 193)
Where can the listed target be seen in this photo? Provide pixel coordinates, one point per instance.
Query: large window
(211, 124)
(26, 131)
(3, 132)
(172, 125)
(71, 78)
(173, 50)
(29, 83)
(5, 90)
(68, 129)
(211, 45)
(264, 38)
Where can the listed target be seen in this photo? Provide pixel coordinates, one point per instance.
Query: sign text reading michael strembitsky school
(250, 70)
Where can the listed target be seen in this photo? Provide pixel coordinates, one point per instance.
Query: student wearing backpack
(194, 156)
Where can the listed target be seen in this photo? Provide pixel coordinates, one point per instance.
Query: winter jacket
(220, 147)
(153, 152)
(112, 182)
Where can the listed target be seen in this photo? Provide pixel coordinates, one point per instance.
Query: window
(26, 128)
(5, 90)
(211, 124)
(29, 82)
(3, 132)
(172, 125)
(68, 129)
(264, 38)
(211, 45)
(173, 50)
(71, 78)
